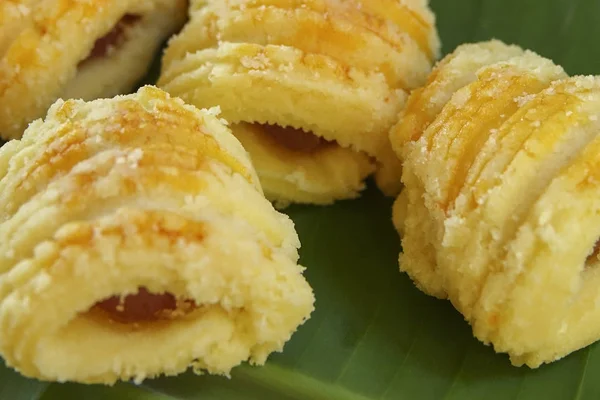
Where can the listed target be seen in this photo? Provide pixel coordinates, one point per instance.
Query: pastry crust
(438, 158)
(43, 51)
(498, 176)
(451, 74)
(140, 192)
(337, 69)
(345, 30)
(14, 17)
(284, 86)
(311, 177)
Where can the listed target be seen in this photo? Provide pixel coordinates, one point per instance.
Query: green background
(373, 335)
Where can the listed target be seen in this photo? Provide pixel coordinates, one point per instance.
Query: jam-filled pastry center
(113, 39)
(295, 139)
(144, 306)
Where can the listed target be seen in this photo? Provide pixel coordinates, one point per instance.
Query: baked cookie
(470, 94)
(336, 70)
(135, 241)
(76, 49)
(499, 175)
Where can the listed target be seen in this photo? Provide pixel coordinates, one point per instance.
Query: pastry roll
(497, 182)
(438, 149)
(335, 70)
(135, 241)
(76, 49)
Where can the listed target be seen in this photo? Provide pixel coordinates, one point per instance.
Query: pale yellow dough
(338, 69)
(140, 191)
(43, 45)
(499, 213)
(310, 177)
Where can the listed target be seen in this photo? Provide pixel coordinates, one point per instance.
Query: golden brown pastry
(337, 70)
(76, 49)
(499, 212)
(135, 241)
(452, 73)
(438, 112)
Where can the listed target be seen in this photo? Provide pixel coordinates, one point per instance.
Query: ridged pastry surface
(135, 241)
(499, 152)
(339, 70)
(87, 49)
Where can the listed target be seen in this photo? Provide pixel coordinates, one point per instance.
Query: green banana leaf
(373, 334)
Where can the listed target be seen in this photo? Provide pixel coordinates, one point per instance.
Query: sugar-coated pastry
(135, 241)
(500, 211)
(76, 49)
(437, 157)
(449, 75)
(337, 70)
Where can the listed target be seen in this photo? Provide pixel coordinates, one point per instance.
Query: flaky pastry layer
(337, 69)
(499, 152)
(54, 49)
(321, 176)
(110, 198)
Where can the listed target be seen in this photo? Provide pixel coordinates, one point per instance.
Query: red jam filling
(144, 306)
(295, 139)
(112, 39)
